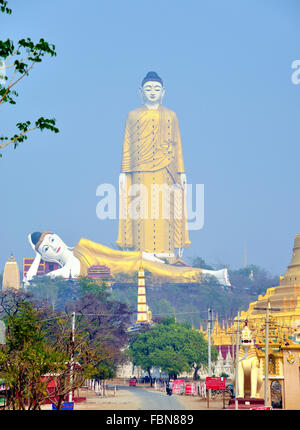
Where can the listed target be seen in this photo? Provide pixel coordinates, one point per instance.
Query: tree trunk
(59, 403)
(195, 376)
(150, 376)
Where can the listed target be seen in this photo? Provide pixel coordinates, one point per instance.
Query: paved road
(152, 400)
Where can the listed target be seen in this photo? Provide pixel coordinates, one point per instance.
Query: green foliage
(18, 59)
(4, 8)
(41, 342)
(163, 308)
(191, 301)
(24, 127)
(103, 319)
(97, 289)
(243, 282)
(171, 361)
(46, 289)
(125, 294)
(26, 358)
(23, 328)
(58, 291)
(173, 347)
(106, 369)
(200, 263)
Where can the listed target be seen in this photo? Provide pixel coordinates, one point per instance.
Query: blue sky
(227, 71)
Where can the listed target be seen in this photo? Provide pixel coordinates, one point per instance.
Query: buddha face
(152, 92)
(53, 249)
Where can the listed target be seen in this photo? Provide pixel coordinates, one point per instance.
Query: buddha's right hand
(32, 272)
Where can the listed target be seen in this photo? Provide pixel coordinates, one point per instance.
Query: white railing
(99, 387)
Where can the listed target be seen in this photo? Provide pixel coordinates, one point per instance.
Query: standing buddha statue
(152, 165)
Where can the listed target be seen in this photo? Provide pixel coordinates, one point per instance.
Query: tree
(200, 263)
(89, 286)
(46, 289)
(141, 351)
(85, 354)
(163, 308)
(198, 351)
(173, 347)
(252, 280)
(41, 348)
(106, 321)
(104, 318)
(26, 358)
(16, 62)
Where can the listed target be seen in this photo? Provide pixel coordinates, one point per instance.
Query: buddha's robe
(91, 253)
(152, 157)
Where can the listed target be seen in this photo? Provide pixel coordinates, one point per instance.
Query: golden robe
(91, 253)
(152, 155)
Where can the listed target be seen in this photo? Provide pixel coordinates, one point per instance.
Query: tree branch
(15, 139)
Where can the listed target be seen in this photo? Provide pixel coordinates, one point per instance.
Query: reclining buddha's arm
(35, 265)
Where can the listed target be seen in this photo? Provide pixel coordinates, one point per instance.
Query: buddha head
(152, 89)
(50, 246)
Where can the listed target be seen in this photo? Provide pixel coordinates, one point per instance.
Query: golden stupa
(286, 296)
(285, 308)
(11, 275)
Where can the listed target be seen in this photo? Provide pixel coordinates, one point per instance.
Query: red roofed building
(100, 273)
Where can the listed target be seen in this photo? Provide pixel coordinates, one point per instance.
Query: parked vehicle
(132, 382)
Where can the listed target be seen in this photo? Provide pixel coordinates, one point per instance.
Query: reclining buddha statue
(75, 261)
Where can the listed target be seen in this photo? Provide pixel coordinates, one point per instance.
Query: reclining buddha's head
(50, 246)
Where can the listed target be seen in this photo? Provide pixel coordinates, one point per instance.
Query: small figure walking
(169, 387)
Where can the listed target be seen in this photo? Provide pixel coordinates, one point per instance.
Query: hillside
(190, 301)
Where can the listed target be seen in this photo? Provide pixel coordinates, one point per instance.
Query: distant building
(100, 273)
(179, 263)
(11, 275)
(44, 267)
(224, 365)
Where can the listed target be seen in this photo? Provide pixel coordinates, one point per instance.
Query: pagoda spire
(143, 313)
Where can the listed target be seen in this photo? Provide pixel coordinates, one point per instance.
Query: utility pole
(266, 386)
(266, 391)
(213, 326)
(72, 357)
(209, 313)
(236, 403)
